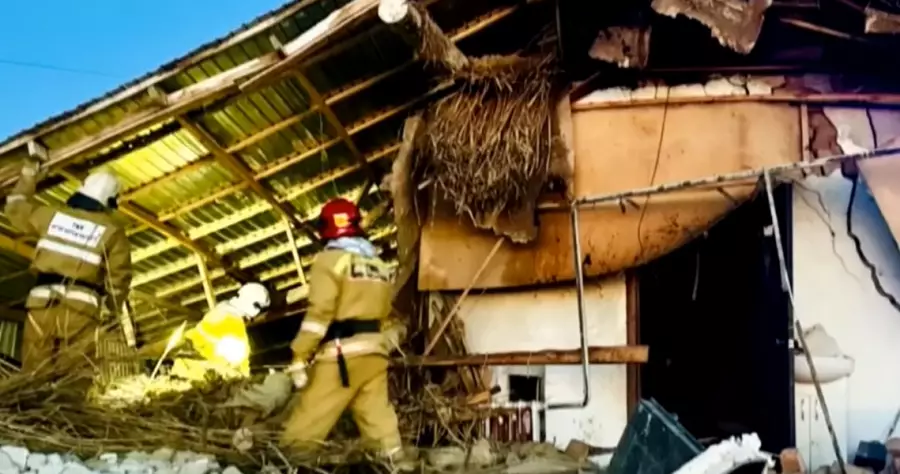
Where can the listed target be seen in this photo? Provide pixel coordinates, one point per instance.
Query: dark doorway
(718, 325)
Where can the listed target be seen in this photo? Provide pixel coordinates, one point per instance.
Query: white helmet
(252, 299)
(102, 186)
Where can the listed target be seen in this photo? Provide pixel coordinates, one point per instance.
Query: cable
(49, 67)
(873, 272)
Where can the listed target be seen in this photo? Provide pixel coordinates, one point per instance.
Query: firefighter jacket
(82, 255)
(349, 289)
(221, 337)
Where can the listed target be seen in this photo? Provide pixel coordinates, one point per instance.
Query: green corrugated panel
(654, 442)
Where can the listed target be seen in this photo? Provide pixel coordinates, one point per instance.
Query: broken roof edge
(136, 86)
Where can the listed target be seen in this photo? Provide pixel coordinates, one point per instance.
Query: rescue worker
(82, 259)
(219, 342)
(350, 296)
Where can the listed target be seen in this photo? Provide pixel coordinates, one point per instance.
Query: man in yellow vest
(82, 260)
(219, 342)
(350, 293)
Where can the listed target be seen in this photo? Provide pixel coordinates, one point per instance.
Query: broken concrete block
(36, 461)
(444, 458)
(481, 454)
(231, 470)
(163, 454)
(6, 462)
(51, 468)
(578, 450)
(17, 454)
(791, 461)
(199, 466)
(76, 468)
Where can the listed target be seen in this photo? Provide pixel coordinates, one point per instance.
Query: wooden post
(294, 252)
(207, 284)
(422, 33)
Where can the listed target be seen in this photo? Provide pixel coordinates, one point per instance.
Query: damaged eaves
(210, 165)
(712, 34)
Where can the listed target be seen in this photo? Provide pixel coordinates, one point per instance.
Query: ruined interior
(718, 322)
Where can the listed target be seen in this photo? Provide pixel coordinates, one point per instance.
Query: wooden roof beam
(314, 40)
(335, 122)
(413, 23)
(223, 84)
(246, 175)
(283, 164)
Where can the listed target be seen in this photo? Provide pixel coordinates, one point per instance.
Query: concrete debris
(521, 458)
(727, 455)
(18, 460)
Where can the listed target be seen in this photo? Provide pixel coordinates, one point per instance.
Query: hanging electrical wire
(50, 67)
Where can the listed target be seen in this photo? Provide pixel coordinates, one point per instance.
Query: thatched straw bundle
(487, 146)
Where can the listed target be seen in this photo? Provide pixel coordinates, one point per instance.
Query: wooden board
(616, 150)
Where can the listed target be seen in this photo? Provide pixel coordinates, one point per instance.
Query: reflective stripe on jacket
(76, 244)
(344, 285)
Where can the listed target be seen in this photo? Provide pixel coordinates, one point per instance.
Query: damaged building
(557, 183)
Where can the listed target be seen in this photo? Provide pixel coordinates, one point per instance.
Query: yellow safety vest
(221, 337)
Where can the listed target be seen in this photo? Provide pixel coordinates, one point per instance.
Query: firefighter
(344, 330)
(82, 259)
(219, 342)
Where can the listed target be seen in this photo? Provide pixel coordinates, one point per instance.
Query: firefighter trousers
(321, 403)
(56, 334)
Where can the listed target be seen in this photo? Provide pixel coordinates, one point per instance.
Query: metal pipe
(798, 328)
(582, 319)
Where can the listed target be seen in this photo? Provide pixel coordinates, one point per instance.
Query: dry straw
(487, 146)
(48, 410)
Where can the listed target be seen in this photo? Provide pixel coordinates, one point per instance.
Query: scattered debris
(18, 460)
(727, 455)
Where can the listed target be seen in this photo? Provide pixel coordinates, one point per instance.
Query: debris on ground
(728, 455)
(18, 460)
(139, 389)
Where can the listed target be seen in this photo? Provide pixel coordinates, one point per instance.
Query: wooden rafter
(238, 167)
(319, 102)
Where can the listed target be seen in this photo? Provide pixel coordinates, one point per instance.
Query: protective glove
(297, 371)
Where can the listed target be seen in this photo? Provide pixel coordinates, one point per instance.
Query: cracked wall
(833, 285)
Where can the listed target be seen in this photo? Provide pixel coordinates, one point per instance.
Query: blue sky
(56, 54)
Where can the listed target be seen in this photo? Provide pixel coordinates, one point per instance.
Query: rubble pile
(139, 389)
(18, 460)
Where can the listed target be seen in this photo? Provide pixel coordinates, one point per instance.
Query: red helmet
(339, 218)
